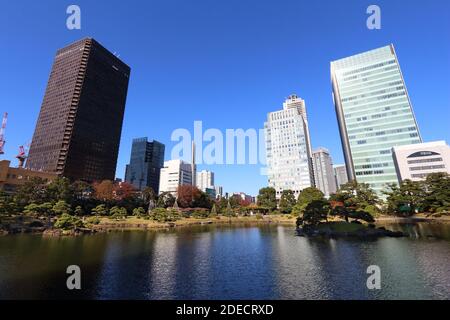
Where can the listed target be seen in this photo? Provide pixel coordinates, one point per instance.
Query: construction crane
(2, 133)
(22, 156)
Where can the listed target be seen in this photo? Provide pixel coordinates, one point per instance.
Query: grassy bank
(141, 223)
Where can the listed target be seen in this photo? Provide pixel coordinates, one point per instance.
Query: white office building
(205, 179)
(340, 174)
(243, 196)
(219, 191)
(288, 148)
(374, 114)
(416, 161)
(174, 174)
(323, 171)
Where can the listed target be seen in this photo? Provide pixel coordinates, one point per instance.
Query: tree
(138, 212)
(287, 201)
(34, 209)
(104, 191)
(123, 191)
(362, 215)
(437, 187)
(79, 211)
(67, 222)
(234, 201)
(117, 212)
(244, 202)
(163, 215)
(202, 200)
(356, 195)
(165, 200)
(315, 212)
(341, 211)
(267, 198)
(213, 210)
(7, 204)
(221, 205)
(187, 195)
(61, 207)
(148, 194)
(32, 191)
(350, 213)
(229, 211)
(60, 189)
(81, 190)
(100, 210)
(306, 197)
(406, 198)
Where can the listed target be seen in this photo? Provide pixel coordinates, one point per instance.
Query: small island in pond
(350, 213)
(339, 229)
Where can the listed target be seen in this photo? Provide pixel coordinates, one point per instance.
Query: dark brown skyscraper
(78, 131)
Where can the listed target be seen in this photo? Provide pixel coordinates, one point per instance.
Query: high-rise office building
(175, 173)
(340, 173)
(193, 165)
(416, 161)
(146, 161)
(374, 114)
(79, 126)
(219, 191)
(205, 179)
(288, 148)
(323, 171)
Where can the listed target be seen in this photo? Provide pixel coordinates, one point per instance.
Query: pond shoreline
(134, 224)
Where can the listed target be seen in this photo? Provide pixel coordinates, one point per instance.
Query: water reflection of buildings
(163, 265)
(299, 274)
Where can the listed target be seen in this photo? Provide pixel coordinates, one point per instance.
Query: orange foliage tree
(186, 195)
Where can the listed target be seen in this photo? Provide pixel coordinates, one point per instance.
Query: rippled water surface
(227, 262)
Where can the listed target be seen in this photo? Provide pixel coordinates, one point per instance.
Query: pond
(227, 262)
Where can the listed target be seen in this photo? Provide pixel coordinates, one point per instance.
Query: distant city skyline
(180, 75)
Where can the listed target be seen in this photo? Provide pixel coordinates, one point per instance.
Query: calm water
(222, 262)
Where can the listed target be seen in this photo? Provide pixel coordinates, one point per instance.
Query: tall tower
(323, 171)
(146, 161)
(205, 179)
(79, 126)
(288, 148)
(374, 114)
(193, 165)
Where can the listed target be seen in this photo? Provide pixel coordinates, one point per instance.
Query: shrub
(93, 220)
(61, 207)
(118, 212)
(163, 215)
(138, 212)
(79, 211)
(200, 213)
(66, 222)
(38, 209)
(100, 210)
(259, 216)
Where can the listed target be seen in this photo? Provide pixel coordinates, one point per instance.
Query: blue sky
(226, 63)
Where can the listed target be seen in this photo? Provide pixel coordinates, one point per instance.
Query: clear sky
(225, 62)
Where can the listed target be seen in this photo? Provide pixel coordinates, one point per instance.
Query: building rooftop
(421, 145)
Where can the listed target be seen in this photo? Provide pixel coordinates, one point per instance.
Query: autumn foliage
(108, 190)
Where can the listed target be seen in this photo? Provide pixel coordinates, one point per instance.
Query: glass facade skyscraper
(374, 114)
(146, 161)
